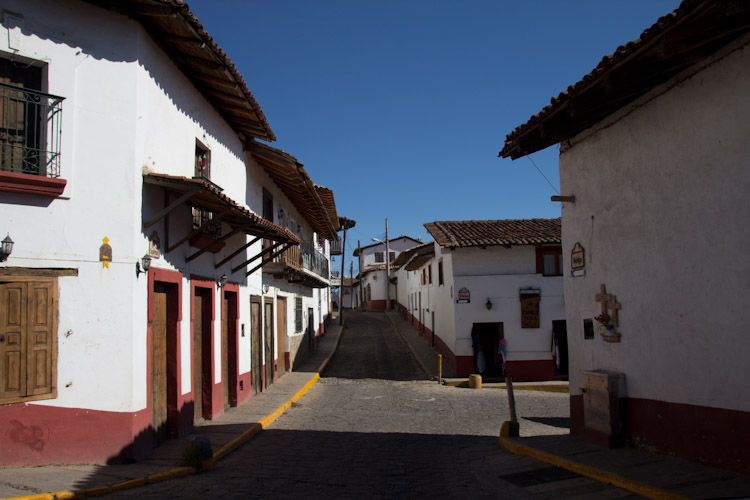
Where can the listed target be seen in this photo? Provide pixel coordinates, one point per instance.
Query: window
(549, 261)
(391, 256)
(379, 257)
(429, 274)
(202, 161)
(440, 272)
(204, 219)
(298, 314)
(28, 352)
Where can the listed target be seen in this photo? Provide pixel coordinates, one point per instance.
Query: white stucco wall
(127, 108)
(498, 274)
(661, 210)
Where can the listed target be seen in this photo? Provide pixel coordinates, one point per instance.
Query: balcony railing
(335, 247)
(305, 257)
(314, 261)
(30, 132)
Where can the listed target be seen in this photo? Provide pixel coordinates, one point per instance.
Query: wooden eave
(199, 193)
(697, 29)
(329, 202)
(287, 173)
(182, 37)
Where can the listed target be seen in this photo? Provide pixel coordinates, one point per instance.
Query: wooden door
(269, 343)
(159, 377)
(229, 348)
(199, 373)
(281, 333)
(256, 346)
(28, 354)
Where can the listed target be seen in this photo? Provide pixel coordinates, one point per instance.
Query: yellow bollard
(475, 381)
(440, 368)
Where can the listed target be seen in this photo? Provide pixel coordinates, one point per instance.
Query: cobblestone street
(369, 433)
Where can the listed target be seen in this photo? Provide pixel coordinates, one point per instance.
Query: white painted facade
(495, 274)
(128, 110)
(373, 273)
(661, 211)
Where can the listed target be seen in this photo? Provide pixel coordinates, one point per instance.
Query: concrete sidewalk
(226, 433)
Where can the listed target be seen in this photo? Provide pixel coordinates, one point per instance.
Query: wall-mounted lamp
(281, 214)
(222, 281)
(6, 248)
(265, 287)
(488, 304)
(299, 228)
(143, 265)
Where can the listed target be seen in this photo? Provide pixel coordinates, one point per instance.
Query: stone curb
(517, 386)
(414, 354)
(625, 483)
(182, 471)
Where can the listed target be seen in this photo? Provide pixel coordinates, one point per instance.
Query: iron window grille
(30, 131)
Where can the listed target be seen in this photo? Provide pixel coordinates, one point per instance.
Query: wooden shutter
(28, 350)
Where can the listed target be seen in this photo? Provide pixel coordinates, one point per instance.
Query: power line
(545, 177)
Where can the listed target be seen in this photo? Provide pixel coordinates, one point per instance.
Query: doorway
(281, 333)
(560, 336)
(269, 341)
(229, 348)
(256, 345)
(202, 380)
(486, 339)
(164, 362)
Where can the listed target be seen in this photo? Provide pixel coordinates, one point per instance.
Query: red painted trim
(465, 366)
(531, 370)
(375, 305)
(31, 184)
(714, 436)
(45, 435)
(244, 388)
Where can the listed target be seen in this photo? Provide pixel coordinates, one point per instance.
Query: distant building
(654, 174)
(372, 271)
(488, 296)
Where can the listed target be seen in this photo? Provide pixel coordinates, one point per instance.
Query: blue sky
(401, 106)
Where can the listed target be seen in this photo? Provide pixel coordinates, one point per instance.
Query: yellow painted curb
(59, 495)
(133, 483)
(625, 483)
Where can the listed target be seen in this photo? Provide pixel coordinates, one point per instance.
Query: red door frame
(179, 406)
(237, 383)
(215, 407)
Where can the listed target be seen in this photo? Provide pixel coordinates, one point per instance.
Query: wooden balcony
(300, 264)
(335, 247)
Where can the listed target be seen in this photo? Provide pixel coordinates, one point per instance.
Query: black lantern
(6, 248)
(222, 281)
(488, 304)
(145, 262)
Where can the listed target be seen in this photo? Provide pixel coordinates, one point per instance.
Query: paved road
(367, 432)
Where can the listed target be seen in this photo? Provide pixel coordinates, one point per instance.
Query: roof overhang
(289, 174)
(182, 37)
(204, 195)
(694, 31)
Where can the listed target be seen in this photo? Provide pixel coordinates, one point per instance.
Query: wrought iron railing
(30, 131)
(210, 226)
(314, 261)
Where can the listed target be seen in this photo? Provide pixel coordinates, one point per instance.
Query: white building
(654, 149)
(124, 134)
(372, 272)
(486, 285)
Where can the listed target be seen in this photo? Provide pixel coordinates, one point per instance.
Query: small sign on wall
(577, 261)
(105, 253)
(464, 296)
(530, 298)
(154, 246)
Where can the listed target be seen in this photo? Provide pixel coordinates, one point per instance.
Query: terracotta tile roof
(694, 31)
(426, 250)
(391, 240)
(485, 233)
(290, 175)
(207, 196)
(179, 33)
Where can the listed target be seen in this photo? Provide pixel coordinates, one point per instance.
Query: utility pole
(341, 285)
(359, 266)
(351, 281)
(347, 224)
(387, 269)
